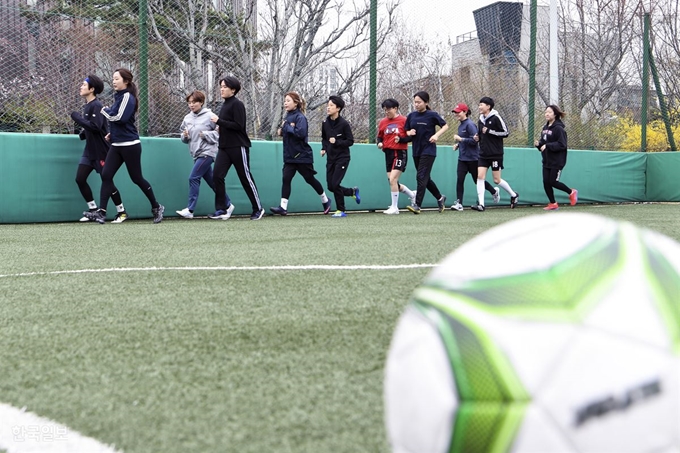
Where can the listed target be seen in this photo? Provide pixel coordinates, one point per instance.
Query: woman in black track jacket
(553, 147)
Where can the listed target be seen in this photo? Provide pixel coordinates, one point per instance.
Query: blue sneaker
(257, 215)
(339, 214)
(327, 207)
(356, 196)
(218, 215)
(279, 210)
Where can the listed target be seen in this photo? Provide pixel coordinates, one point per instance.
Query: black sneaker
(478, 207)
(257, 215)
(158, 213)
(513, 200)
(414, 208)
(98, 216)
(442, 203)
(279, 210)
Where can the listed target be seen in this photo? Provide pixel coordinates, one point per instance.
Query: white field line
(329, 267)
(25, 432)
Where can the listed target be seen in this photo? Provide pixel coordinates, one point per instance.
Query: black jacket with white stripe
(491, 141)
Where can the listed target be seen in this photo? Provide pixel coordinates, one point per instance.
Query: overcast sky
(443, 18)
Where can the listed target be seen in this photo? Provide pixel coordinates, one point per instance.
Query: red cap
(461, 107)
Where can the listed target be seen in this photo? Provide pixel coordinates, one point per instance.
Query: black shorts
(494, 164)
(396, 159)
(97, 165)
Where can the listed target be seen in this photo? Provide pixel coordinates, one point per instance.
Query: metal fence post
(143, 69)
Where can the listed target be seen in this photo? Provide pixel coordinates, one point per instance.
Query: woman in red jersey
(390, 130)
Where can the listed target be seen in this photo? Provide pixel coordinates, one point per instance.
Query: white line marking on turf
(25, 432)
(226, 268)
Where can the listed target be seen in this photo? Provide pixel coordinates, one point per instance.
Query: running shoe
(120, 217)
(186, 213)
(279, 210)
(573, 197)
(158, 213)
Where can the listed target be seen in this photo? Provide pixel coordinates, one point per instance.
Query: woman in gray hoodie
(202, 136)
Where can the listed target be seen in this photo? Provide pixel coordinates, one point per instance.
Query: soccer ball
(552, 333)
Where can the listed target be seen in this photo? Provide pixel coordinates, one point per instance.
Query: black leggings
(81, 179)
(551, 179)
(131, 156)
(465, 167)
(306, 170)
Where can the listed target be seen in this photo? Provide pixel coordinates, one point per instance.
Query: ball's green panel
(486, 427)
(481, 369)
(665, 282)
(560, 287)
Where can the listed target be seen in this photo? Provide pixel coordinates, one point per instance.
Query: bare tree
(665, 39)
(411, 64)
(296, 38)
(596, 38)
(188, 22)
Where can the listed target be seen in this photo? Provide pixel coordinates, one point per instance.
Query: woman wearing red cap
(468, 156)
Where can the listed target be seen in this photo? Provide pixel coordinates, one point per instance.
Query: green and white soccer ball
(553, 333)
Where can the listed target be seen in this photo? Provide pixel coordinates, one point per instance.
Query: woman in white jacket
(202, 136)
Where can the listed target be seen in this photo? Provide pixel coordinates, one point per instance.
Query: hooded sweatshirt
(491, 142)
(554, 137)
(296, 149)
(203, 137)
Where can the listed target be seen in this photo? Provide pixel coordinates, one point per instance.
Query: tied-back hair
(298, 100)
(126, 75)
(425, 96)
(559, 114)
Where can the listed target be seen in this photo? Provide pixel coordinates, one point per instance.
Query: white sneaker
(457, 206)
(186, 213)
(497, 196)
(120, 217)
(84, 219)
(413, 198)
(391, 211)
(230, 211)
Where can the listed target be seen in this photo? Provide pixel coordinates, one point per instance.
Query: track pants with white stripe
(240, 159)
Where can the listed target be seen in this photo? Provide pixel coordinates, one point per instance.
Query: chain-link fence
(321, 47)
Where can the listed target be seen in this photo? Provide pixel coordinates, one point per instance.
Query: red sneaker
(552, 207)
(573, 197)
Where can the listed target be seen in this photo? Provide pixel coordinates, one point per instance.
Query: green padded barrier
(37, 178)
(662, 176)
